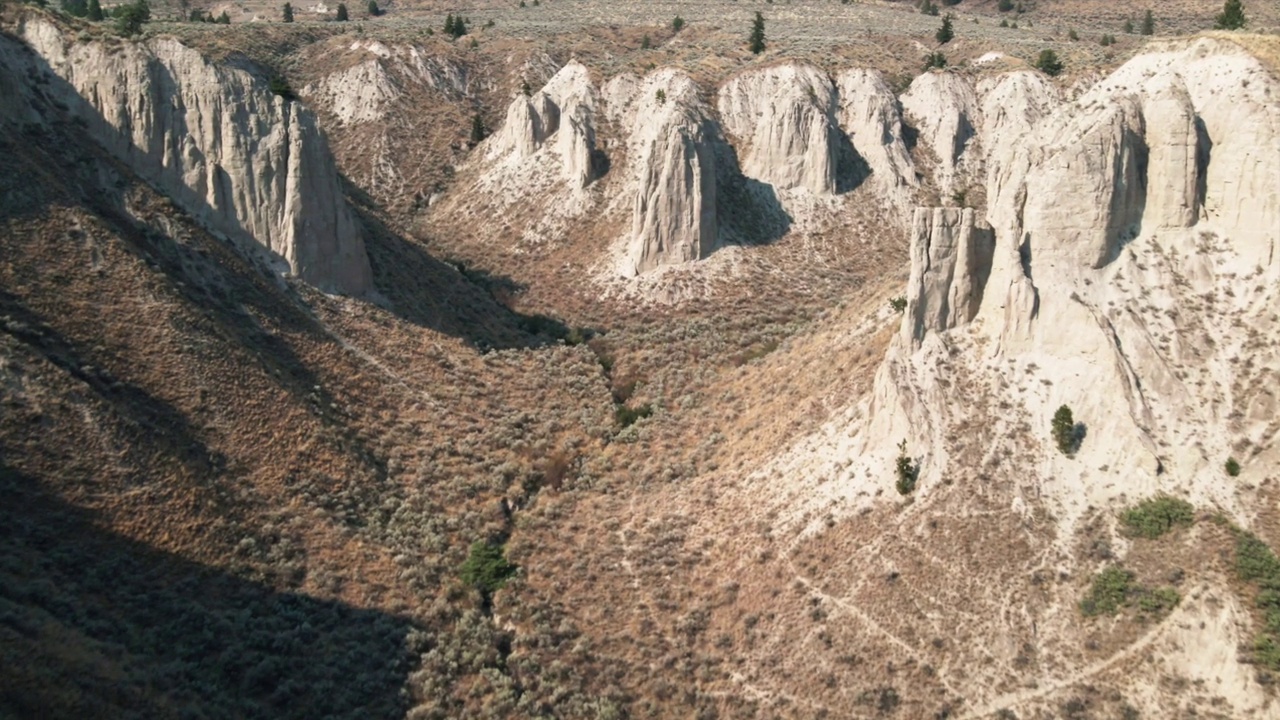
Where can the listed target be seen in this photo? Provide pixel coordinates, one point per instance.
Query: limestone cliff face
(243, 161)
(869, 113)
(671, 151)
(783, 117)
(950, 259)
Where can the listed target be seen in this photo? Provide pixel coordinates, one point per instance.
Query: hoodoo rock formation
(783, 117)
(670, 150)
(240, 159)
(950, 258)
(944, 108)
(869, 113)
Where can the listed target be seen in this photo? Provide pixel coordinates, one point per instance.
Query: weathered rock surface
(944, 108)
(671, 153)
(213, 138)
(559, 116)
(950, 260)
(783, 117)
(870, 115)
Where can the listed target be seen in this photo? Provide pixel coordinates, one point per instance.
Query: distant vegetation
(1232, 467)
(487, 568)
(935, 60)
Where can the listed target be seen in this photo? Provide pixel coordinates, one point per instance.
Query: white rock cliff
(238, 158)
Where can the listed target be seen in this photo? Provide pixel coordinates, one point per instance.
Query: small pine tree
(95, 11)
(524, 88)
(1232, 17)
(646, 43)
(288, 12)
(1232, 467)
(374, 10)
(1064, 430)
(756, 39)
(945, 33)
(935, 60)
(224, 18)
(1148, 24)
(478, 131)
(448, 24)
(1004, 5)
(678, 24)
(1048, 63)
(342, 15)
(1128, 27)
(129, 18)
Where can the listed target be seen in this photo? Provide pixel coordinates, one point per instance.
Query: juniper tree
(342, 15)
(1148, 24)
(288, 13)
(1048, 63)
(374, 10)
(95, 11)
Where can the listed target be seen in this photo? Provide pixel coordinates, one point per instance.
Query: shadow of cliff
(749, 212)
(851, 168)
(97, 625)
(469, 303)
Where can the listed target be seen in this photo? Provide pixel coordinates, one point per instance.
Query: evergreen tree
(448, 25)
(1064, 430)
(1232, 17)
(646, 43)
(374, 10)
(342, 15)
(478, 131)
(95, 11)
(1148, 24)
(1128, 27)
(757, 34)
(945, 33)
(129, 18)
(1048, 63)
(935, 60)
(288, 12)
(677, 24)
(224, 18)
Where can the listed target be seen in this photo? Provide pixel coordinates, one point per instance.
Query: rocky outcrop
(359, 94)
(1085, 187)
(950, 261)
(870, 115)
(559, 116)
(944, 109)
(241, 160)
(671, 153)
(783, 118)
(1175, 153)
(1012, 105)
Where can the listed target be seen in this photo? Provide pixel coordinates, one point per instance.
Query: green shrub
(1004, 5)
(280, 86)
(678, 24)
(1110, 591)
(945, 33)
(899, 303)
(1232, 17)
(935, 60)
(1158, 601)
(486, 568)
(1256, 562)
(626, 417)
(1232, 467)
(908, 471)
(1156, 516)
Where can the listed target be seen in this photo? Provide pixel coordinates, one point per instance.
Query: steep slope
(250, 164)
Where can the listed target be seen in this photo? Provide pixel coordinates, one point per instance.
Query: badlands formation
(1108, 245)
